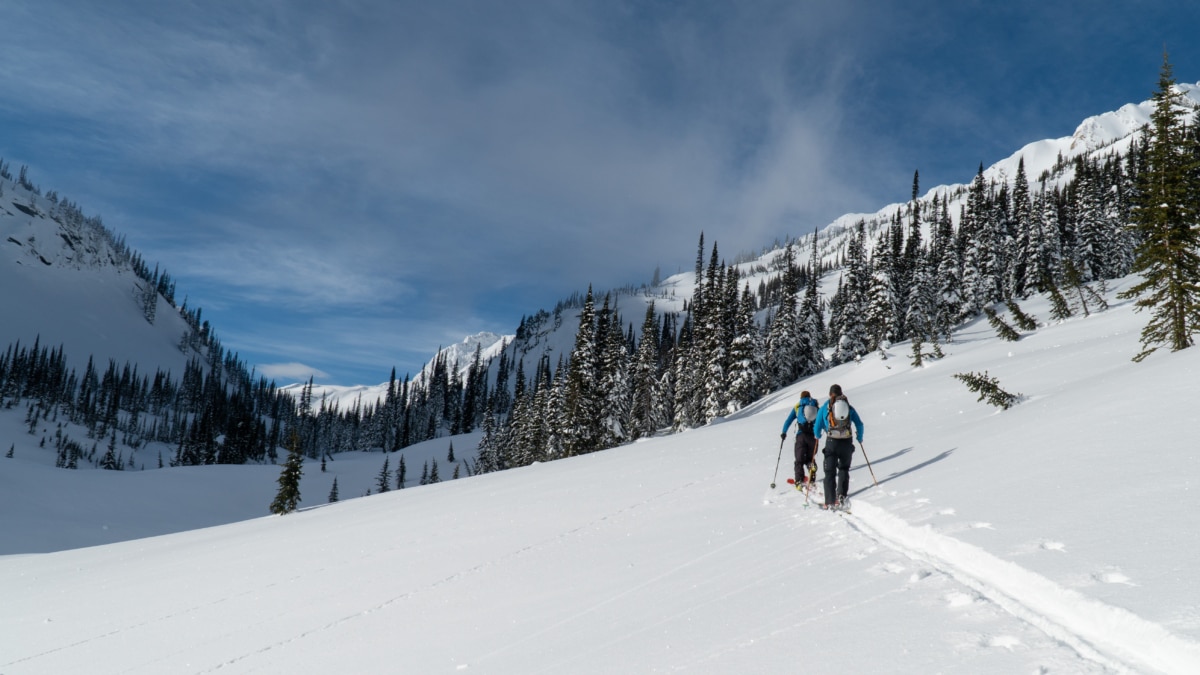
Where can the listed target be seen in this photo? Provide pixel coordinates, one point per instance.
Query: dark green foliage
(1004, 330)
(988, 389)
(384, 479)
(1060, 309)
(1023, 320)
(289, 480)
(1083, 296)
(917, 361)
(1165, 223)
(333, 492)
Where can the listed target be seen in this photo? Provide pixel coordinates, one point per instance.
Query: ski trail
(1113, 637)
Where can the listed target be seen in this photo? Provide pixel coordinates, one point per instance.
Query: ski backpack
(839, 418)
(806, 415)
(810, 413)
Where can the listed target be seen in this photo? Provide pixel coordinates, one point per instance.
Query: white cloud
(291, 372)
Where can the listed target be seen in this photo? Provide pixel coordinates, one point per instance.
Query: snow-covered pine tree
(715, 347)
(883, 308)
(553, 408)
(1023, 234)
(645, 377)
(852, 330)
(948, 278)
(976, 240)
(615, 392)
(581, 429)
(487, 459)
(686, 415)
(745, 356)
(783, 336)
(1088, 210)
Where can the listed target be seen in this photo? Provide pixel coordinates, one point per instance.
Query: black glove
(783, 436)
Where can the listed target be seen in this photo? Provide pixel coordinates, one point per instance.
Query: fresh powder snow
(1054, 537)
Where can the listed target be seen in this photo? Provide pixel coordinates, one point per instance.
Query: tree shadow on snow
(911, 469)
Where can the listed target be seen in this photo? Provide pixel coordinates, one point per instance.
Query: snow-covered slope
(1054, 537)
(65, 285)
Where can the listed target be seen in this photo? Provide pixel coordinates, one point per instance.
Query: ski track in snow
(1109, 636)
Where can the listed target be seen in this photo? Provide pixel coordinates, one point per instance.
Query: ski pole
(777, 460)
(864, 450)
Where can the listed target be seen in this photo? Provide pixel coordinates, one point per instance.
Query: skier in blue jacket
(835, 419)
(803, 414)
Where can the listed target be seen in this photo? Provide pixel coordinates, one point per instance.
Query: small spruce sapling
(1023, 320)
(917, 361)
(1060, 309)
(1004, 330)
(289, 479)
(988, 388)
(385, 477)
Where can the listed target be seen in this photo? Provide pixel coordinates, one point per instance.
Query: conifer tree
(645, 377)
(288, 495)
(1167, 224)
(883, 308)
(812, 319)
(988, 388)
(851, 329)
(1023, 233)
(949, 293)
(1023, 320)
(745, 355)
(333, 492)
(581, 422)
(384, 479)
(783, 337)
(1060, 309)
(615, 393)
(1003, 330)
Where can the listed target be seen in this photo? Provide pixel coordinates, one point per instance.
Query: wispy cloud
(318, 169)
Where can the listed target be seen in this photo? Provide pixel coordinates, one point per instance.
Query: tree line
(915, 274)
(1098, 217)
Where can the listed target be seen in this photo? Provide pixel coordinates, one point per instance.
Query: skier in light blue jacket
(835, 419)
(803, 414)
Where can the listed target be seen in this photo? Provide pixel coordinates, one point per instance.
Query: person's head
(805, 394)
(835, 390)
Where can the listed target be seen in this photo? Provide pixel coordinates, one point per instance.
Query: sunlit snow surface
(1055, 537)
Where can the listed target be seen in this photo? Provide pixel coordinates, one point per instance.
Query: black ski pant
(838, 453)
(806, 452)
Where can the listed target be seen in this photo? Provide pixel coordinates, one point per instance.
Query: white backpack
(839, 418)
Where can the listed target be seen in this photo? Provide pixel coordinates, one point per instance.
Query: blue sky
(344, 187)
